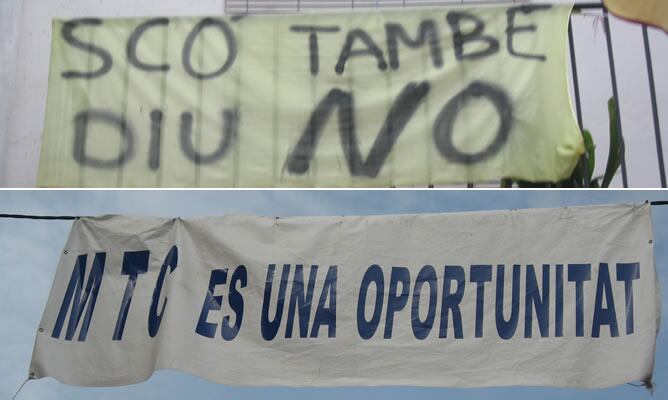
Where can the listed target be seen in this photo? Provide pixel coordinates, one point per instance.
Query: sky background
(30, 250)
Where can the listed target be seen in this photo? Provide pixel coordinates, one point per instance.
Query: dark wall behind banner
(24, 103)
(31, 249)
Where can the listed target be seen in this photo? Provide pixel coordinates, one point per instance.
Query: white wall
(25, 104)
(9, 14)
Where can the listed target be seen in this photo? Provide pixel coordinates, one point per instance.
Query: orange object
(649, 12)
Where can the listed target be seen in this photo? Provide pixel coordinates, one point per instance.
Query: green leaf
(506, 183)
(615, 150)
(590, 152)
(576, 178)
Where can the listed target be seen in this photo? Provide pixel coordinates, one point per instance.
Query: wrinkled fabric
(371, 342)
(364, 99)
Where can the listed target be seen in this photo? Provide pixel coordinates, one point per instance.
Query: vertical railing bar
(574, 69)
(247, 6)
(655, 114)
(576, 91)
(613, 77)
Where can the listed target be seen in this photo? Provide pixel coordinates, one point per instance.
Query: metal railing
(291, 6)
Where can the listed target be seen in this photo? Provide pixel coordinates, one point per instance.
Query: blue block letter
(604, 316)
(506, 329)
(628, 273)
(421, 328)
(270, 328)
(396, 301)
(480, 274)
(155, 318)
(374, 274)
(533, 298)
(73, 295)
(211, 302)
(579, 273)
(326, 315)
(451, 301)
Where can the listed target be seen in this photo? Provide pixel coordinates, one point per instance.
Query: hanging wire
(20, 388)
(42, 217)
(73, 218)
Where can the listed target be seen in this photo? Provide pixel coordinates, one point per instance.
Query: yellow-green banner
(399, 98)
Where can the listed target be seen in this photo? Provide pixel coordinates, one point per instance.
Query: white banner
(552, 297)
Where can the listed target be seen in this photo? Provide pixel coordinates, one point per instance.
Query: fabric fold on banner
(562, 297)
(366, 99)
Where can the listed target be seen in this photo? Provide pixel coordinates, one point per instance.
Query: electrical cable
(72, 218)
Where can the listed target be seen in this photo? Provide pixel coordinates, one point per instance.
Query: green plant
(584, 170)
